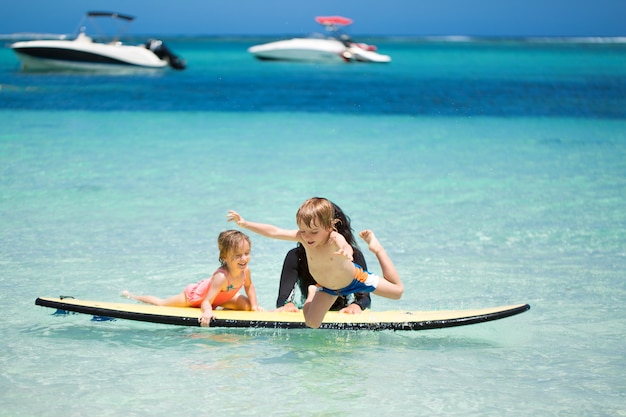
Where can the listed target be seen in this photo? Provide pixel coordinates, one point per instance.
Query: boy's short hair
(316, 210)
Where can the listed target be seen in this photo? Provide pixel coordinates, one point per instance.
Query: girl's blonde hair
(228, 241)
(317, 210)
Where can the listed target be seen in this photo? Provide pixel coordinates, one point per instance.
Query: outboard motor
(158, 47)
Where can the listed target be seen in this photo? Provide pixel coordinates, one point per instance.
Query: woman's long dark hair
(343, 225)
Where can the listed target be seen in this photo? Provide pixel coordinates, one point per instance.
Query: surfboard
(368, 320)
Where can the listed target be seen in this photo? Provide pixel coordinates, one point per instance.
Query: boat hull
(361, 55)
(314, 50)
(83, 55)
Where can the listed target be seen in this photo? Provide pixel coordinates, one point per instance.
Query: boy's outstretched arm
(262, 229)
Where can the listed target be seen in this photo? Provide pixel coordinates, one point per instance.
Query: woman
(296, 272)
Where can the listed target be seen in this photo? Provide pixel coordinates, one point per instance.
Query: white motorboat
(337, 47)
(83, 53)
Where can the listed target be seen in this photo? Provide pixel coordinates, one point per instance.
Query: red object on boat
(333, 20)
(367, 47)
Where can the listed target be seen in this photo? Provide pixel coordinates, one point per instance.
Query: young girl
(222, 289)
(330, 258)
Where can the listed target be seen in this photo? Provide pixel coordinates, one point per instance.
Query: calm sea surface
(493, 171)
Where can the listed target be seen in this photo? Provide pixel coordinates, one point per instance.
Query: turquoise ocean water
(493, 171)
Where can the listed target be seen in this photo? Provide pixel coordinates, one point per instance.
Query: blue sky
(275, 17)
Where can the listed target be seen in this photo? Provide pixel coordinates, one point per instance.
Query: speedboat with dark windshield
(84, 53)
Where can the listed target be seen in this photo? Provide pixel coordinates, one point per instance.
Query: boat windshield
(107, 26)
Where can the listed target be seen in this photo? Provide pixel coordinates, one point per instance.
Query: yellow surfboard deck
(368, 320)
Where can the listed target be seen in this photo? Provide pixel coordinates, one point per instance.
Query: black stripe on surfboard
(229, 323)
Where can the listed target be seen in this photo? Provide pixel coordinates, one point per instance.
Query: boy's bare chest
(321, 256)
(329, 269)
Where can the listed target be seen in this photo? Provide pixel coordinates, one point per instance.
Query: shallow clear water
(494, 173)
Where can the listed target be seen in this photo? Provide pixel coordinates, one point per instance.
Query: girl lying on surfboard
(330, 258)
(222, 288)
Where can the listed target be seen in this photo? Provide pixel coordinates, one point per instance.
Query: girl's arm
(207, 313)
(217, 281)
(262, 229)
(251, 292)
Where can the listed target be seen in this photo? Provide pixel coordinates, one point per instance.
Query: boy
(330, 258)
